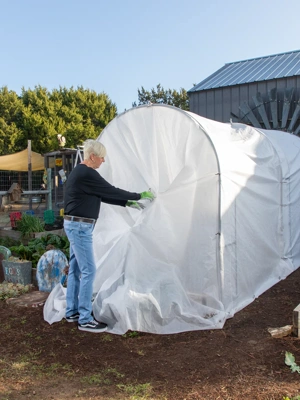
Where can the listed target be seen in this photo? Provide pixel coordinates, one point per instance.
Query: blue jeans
(81, 271)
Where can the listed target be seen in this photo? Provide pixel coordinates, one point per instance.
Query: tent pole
(29, 173)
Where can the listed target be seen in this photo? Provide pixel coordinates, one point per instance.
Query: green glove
(135, 204)
(147, 195)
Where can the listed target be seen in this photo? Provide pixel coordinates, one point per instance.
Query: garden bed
(16, 235)
(240, 361)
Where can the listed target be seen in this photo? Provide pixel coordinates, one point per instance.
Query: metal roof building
(263, 92)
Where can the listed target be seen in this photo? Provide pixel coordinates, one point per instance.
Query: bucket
(14, 217)
(49, 217)
(17, 271)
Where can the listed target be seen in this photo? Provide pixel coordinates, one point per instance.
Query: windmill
(272, 111)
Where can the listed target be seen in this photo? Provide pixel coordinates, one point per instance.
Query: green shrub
(37, 247)
(29, 224)
(8, 290)
(9, 242)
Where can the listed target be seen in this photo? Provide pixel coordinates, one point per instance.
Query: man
(85, 189)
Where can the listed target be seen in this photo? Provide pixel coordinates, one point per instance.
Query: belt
(79, 219)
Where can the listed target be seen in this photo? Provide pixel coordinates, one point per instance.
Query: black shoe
(73, 318)
(93, 326)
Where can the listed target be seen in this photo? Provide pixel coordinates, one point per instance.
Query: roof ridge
(281, 65)
(260, 58)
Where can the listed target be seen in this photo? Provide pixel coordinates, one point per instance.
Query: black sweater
(85, 189)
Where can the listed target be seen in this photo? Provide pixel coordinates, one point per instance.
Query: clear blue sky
(117, 46)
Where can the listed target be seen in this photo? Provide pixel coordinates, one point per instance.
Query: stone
(281, 332)
(32, 299)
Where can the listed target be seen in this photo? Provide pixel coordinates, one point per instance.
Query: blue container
(29, 212)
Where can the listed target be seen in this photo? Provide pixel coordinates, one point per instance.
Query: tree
(161, 96)
(11, 108)
(40, 115)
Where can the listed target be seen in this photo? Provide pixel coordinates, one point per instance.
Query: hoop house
(223, 229)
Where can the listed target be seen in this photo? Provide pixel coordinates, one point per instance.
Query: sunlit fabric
(223, 229)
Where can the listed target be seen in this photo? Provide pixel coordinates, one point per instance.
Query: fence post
(29, 172)
(49, 187)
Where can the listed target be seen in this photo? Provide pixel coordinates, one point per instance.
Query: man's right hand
(135, 204)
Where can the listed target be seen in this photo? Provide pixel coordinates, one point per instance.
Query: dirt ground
(241, 361)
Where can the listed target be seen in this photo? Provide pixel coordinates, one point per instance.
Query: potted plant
(18, 267)
(17, 270)
(29, 224)
(33, 251)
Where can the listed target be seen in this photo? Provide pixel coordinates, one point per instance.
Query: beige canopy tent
(19, 161)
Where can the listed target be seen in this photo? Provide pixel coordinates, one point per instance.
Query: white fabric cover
(223, 229)
(55, 306)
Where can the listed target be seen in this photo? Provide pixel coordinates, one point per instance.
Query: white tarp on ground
(223, 229)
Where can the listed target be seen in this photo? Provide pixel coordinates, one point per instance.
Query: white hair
(92, 146)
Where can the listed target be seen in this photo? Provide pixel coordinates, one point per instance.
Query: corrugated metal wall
(218, 104)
